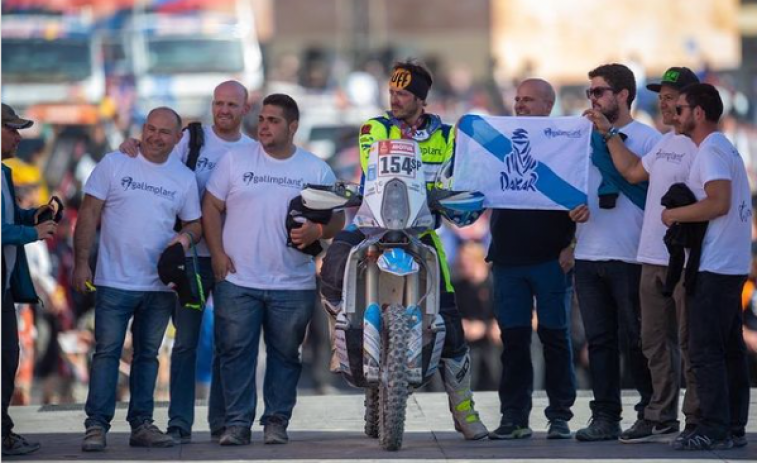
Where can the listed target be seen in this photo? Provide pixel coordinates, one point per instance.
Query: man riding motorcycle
(408, 88)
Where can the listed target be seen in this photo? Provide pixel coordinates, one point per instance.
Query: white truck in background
(52, 68)
(180, 56)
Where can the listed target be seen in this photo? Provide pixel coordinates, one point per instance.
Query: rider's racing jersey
(436, 141)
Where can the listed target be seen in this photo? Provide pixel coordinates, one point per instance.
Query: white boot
(457, 378)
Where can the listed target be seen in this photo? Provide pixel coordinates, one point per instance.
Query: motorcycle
(389, 334)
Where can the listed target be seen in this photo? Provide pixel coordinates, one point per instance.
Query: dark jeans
(515, 288)
(10, 357)
(184, 356)
(332, 280)
(608, 296)
(718, 353)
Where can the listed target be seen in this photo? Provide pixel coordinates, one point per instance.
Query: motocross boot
(457, 378)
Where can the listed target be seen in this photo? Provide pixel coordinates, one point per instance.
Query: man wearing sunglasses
(716, 346)
(606, 270)
(663, 317)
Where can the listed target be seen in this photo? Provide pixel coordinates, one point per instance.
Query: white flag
(524, 162)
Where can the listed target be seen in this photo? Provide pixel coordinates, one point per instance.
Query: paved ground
(329, 428)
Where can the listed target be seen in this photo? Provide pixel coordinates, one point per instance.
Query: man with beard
(261, 283)
(408, 89)
(606, 271)
(229, 107)
(663, 315)
(718, 179)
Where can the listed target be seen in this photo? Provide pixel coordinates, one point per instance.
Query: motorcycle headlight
(396, 207)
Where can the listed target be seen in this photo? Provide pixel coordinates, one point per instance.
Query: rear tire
(393, 389)
(372, 411)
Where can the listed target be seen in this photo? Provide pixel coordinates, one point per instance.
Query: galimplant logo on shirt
(673, 157)
(250, 178)
(745, 211)
(128, 183)
(205, 164)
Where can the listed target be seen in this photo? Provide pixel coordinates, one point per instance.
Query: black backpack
(196, 140)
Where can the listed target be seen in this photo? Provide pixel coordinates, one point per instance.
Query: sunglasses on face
(679, 108)
(597, 92)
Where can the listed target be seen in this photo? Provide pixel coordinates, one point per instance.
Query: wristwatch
(610, 133)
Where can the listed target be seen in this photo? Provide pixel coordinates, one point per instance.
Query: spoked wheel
(393, 389)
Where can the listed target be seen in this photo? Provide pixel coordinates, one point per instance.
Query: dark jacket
(19, 234)
(682, 236)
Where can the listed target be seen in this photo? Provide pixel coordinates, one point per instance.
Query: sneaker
(698, 440)
(599, 429)
(648, 431)
(558, 429)
(215, 434)
(678, 441)
(508, 431)
(235, 435)
(739, 438)
(275, 431)
(178, 435)
(94, 439)
(148, 435)
(13, 444)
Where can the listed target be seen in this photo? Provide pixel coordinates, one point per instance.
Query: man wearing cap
(137, 201)
(20, 227)
(664, 336)
(229, 107)
(408, 89)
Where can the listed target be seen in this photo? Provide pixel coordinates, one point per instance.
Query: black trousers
(10, 357)
(718, 352)
(332, 280)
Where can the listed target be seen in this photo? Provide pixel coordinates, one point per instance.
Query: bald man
(229, 107)
(533, 259)
(136, 200)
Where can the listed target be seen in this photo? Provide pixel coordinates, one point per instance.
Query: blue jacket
(19, 234)
(612, 181)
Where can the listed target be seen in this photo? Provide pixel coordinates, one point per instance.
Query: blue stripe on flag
(487, 136)
(498, 145)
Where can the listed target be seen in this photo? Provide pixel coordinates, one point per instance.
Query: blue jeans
(515, 288)
(608, 296)
(283, 316)
(184, 356)
(113, 309)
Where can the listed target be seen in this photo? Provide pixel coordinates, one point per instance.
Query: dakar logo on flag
(524, 162)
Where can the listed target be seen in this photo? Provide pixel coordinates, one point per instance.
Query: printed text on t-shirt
(128, 183)
(250, 178)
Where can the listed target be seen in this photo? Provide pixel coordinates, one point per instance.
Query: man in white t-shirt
(718, 179)
(606, 270)
(137, 201)
(662, 315)
(229, 107)
(261, 283)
